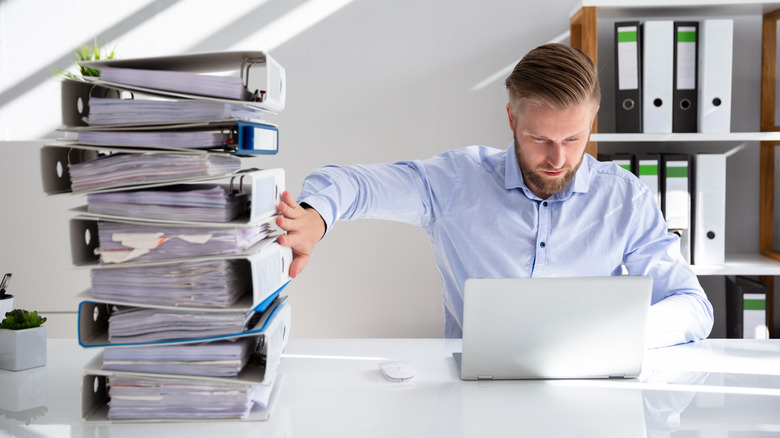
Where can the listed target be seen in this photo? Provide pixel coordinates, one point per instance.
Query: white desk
(334, 388)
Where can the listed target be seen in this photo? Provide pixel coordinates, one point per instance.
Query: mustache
(552, 169)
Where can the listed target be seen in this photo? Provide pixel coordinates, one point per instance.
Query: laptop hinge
(484, 377)
(617, 376)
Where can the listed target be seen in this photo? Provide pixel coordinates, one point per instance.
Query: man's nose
(556, 156)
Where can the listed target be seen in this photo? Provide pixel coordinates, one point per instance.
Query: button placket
(542, 236)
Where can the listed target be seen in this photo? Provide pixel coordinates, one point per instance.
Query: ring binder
(271, 91)
(204, 255)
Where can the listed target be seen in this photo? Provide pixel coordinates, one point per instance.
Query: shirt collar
(514, 178)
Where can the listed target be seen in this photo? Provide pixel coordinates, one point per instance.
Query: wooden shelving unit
(583, 25)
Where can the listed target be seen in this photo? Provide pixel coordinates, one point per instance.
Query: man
(540, 208)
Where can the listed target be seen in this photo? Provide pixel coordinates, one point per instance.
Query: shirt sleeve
(680, 311)
(407, 191)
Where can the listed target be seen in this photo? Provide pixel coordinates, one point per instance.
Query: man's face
(550, 144)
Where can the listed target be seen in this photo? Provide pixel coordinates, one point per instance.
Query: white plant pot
(6, 305)
(22, 349)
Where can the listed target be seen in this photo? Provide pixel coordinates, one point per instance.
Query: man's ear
(511, 118)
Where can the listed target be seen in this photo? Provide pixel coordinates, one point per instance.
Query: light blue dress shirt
(483, 222)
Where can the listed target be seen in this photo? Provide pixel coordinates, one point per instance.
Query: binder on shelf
(657, 76)
(628, 72)
(241, 137)
(709, 225)
(676, 188)
(626, 161)
(746, 308)
(262, 80)
(260, 190)
(266, 271)
(649, 173)
(93, 323)
(715, 66)
(685, 112)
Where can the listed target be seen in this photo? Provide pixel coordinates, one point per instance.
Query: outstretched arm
(304, 226)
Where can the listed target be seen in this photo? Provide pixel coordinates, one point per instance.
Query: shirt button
(544, 203)
(542, 244)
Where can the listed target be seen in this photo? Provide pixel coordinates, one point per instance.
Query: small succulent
(19, 319)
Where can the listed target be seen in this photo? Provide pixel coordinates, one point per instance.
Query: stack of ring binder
(185, 309)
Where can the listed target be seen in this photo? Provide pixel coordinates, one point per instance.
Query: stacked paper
(122, 170)
(216, 359)
(148, 324)
(124, 242)
(193, 139)
(197, 203)
(139, 398)
(207, 283)
(105, 111)
(229, 87)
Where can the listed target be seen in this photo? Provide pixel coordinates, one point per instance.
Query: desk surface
(334, 387)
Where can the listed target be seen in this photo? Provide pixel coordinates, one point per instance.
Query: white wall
(369, 81)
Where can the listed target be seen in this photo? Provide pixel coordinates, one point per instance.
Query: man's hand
(305, 227)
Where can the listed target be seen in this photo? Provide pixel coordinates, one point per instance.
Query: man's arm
(304, 226)
(680, 310)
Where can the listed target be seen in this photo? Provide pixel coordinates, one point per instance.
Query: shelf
(741, 264)
(686, 137)
(583, 31)
(713, 7)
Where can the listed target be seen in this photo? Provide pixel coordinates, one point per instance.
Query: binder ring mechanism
(246, 65)
(232, 190)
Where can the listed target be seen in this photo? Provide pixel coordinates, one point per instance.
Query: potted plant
(22, 340)
(76, 92)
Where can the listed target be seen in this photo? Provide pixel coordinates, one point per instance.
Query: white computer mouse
(397, 371)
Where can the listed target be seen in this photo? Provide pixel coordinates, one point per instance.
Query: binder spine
(649, 173)
(685, 109)
(676, 189)
(256, 138)
(715, 72)
(709, 224)
(628, 68)
(270, 269)
(657, 76)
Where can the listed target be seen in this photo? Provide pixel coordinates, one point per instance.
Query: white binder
(715, 64)
(676, 199)
(710, 219)
(649, 166)
(657, 65)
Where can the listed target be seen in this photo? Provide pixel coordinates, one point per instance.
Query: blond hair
(553, 75)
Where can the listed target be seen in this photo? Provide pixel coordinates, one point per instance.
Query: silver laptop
(554, 328)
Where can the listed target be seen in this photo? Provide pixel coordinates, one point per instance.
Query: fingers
(300, 260)
(304, 229)
(297, 265)
(289, 223)
(288, 207)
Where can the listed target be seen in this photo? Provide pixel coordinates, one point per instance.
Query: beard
(548, 186)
